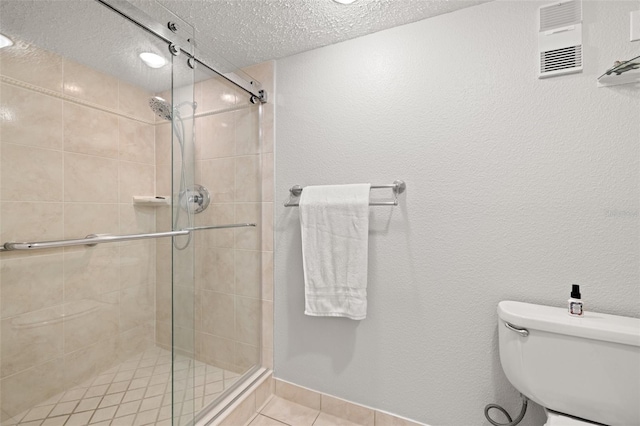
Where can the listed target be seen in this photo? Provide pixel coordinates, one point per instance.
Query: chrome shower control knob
(195, 199)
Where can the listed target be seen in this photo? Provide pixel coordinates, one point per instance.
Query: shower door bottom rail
(93, 239)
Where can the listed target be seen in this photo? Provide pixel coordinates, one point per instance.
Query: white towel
(335, 239)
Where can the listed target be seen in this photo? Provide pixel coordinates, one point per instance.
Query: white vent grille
(560, 38)
(568, 58)
(560, 15)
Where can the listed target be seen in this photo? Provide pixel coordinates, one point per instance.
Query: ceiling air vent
(560, 38)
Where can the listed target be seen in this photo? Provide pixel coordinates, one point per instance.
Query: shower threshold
(136, 392)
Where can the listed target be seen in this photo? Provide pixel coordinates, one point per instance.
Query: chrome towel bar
(93, 239)
(398, 187)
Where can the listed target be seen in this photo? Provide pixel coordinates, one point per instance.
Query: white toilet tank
(588, 367)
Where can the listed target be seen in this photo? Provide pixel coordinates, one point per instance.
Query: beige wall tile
(90, 131)
(264, 73)
(248, 268)
(267, 324)
(247, 320)
(298, 394)
(267, 127)
(137, 141)
(325, 419)
(215, 269)
(137, 264)
(90, 273)
(216, 214)
(163, 221)
(29, 387)
(290, 412)
(184, 339)
(30, 118)
(136, 179)
(30, 283)
(267, 358)
(163, 300)
(215, 94)
(82, 219)
(31, 221)
(264, 391)
(267, 176)
(163, 334)
(163, 260)
(267, 275)
(89, 361)
(137, 219)
(215, 136)
(32, 65)
(183, 262)
(184, 309)
(137, 306)
(242, 412)
(248, 178)
(247, 131)
(134, 101)
(90, 179)
(347, 410)
(218, 314)
(163, 181)
(248, 238)
(267, 226)
(384, 419)
(89, 321)
(246, 356)
(31, 174)
(163, 143)
(135, 341)
(90, 85)
(31, 339)
(218, 175)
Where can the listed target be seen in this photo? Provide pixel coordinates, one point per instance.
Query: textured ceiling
(243, 32)
(246, 32)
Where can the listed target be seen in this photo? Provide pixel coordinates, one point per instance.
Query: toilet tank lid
(593, 325)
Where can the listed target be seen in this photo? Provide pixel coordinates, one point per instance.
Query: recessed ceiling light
(344, 1)
(153, 60)
(5, 41)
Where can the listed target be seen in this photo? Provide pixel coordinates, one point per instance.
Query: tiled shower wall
(233, 267)
(76, 144)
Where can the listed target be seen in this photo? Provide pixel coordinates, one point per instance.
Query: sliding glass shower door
(78, 158)
(111, 131)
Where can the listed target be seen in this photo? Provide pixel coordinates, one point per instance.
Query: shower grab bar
(397, 186)
(93, 239)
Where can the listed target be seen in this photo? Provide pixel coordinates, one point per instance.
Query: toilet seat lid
(555, 419)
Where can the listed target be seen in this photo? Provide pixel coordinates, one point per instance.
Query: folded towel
(335, 238)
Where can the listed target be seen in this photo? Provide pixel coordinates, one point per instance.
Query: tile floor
(280, 412)
(135, 392)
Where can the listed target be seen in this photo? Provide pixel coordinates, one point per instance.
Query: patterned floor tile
(136, 392)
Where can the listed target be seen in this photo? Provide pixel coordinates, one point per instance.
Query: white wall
(517, 188)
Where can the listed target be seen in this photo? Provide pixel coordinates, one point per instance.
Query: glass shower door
(81, 329)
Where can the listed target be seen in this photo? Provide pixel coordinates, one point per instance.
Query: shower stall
(130, 217)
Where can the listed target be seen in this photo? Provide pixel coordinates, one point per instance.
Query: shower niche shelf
(622, 72)
(152, 200)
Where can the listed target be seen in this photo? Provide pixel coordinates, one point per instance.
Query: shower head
(160, 107)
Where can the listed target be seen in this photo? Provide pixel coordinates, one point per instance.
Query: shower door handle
(93, 239)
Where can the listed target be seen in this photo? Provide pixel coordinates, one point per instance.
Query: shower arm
(94, 239)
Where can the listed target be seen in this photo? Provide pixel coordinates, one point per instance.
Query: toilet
(582, 370)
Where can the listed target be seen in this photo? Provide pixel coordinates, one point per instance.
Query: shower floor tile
(135, 392)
